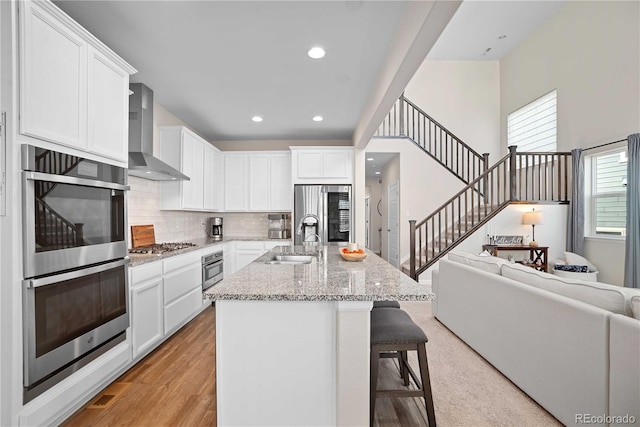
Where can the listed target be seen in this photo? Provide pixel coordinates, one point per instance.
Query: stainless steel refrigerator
(322, 211)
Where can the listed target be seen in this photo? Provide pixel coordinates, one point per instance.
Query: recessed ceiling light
(316, 52)
(377, 173)
(317, 118)
(370, 159)
(256, 118)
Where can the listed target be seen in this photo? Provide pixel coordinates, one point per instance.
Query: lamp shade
(532, 218)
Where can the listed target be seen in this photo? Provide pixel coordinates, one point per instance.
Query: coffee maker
(215, 228)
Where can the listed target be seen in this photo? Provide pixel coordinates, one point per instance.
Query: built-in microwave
(74, 211)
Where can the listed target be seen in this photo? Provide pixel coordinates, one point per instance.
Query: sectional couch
(571, 345)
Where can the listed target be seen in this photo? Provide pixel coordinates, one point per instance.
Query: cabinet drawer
(181, 282)
(181, 261)
(249, 245)
(145, 272)
(178, 311)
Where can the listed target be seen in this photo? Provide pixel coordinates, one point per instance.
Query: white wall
(594, 64)
(590, 53)
(464, 97)
(374, 191)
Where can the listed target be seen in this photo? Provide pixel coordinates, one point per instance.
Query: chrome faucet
(319, 240)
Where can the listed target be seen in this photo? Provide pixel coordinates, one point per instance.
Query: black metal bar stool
(393, 333)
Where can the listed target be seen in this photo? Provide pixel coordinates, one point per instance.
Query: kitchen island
(292, 340)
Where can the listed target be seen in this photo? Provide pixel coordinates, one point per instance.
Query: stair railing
(516, 178)
(56, 163)
(406, 120)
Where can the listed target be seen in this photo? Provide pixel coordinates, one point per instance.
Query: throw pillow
(575, 259)
(572, 268)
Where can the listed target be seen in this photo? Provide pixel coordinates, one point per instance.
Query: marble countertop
(327, 278)
(201, 243)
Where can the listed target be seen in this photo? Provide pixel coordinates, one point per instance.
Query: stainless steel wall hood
(141, 160)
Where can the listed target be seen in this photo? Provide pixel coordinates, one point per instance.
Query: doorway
(367, 222)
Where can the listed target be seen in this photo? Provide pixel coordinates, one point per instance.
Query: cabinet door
(146, 315)
(108, 108)
(259, 182)
(53, 79)
(235, 182)
(280, 187)
(193, 167)
(211, 197)
(337, 164)
(309, 164)
(229, 259)
(244, 257)
(182, 309)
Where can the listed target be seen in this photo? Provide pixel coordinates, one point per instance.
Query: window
(533, 127)
(609, 193)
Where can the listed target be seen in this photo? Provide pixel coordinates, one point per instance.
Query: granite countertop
(326, 278)
(201, 243)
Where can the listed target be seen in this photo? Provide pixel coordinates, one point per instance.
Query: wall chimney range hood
(141, 161)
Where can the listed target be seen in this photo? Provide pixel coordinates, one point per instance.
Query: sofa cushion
(490, 264)
(609, 297)
(635, 306)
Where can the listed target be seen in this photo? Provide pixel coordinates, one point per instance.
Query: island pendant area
(293, 339)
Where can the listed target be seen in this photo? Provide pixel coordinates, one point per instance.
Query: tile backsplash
(176, 226)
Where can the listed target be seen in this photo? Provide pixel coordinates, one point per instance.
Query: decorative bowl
(357, 255)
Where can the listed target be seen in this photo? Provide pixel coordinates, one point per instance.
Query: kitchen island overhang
(293, 340)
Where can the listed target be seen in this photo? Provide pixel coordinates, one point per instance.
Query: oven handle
(44, 281)
(39, 176)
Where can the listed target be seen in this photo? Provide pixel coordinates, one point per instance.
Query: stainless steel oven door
(212, 270)
(67, 315)
(70, 222)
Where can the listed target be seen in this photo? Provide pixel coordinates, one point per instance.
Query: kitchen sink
(290, 259)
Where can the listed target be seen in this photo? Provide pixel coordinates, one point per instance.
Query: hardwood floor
(175, 386)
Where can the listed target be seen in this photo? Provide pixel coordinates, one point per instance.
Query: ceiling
(376, 163)
(216, 64)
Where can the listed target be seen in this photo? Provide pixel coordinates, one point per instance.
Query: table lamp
(532, 218)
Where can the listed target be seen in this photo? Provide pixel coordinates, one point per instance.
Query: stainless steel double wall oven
(75, 290)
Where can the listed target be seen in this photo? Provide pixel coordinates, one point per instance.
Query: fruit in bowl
(357, 255)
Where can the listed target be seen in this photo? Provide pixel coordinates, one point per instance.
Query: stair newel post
(512, 172)
(402, 105)
(412, 248)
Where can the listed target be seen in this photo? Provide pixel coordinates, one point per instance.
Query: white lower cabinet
(241, 253)
(146, 307)
(165, 295)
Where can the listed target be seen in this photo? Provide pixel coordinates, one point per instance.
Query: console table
(538, 255)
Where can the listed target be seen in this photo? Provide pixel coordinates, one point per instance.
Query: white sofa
(573, 346)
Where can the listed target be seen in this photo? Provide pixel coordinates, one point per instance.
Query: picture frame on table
(508, 240)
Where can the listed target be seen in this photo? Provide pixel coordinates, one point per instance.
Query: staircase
(406, 120)
(516, 178)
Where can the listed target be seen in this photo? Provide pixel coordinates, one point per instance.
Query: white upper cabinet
(73, 89)
(108, 107)
(53, 79)
(193, 156)
(280, 187)
(322, 165)
(258, 181)
(212, 178)
(235, 182)
(259, 185)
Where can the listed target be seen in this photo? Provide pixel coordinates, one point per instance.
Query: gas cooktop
(161, 248)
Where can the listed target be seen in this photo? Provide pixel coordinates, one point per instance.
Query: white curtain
(632, 247)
